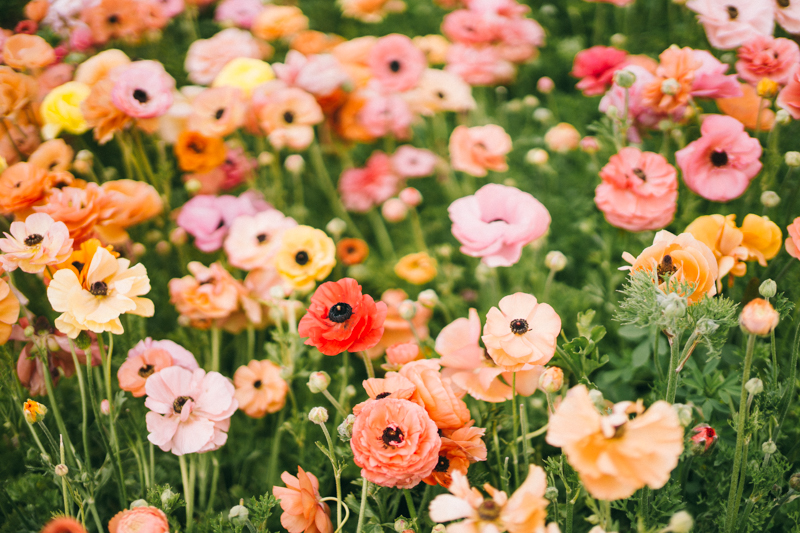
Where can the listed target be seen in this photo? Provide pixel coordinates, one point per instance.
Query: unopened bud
(139, 503)
(336, 227)
(345, 429)
(754, 386)
(163, 248)
(792, 159)
(28, 331)
(439, 528)
(295, 163)
(555, 261)
(767, 88)
(537, 157)
(193, 186)
(545, 85)
(166, 496)
(624, 78)
(318, 382)
(706, 326)
(407, 309)
(684, 413)
(769, 447)
(394, 210)
(794, 481)
(783, 117)
(62, 470)
(551, 380)
(400, 525)
(670, 86)
(138, 249)
(178, 236)
(428, 298)
(758, 317)
(265, 159)
(551, 493)
(104, 407)
(542, 115)
(703, 440)
(33, 411)
(318, 415)
(618, 39)
(768, 288)
(83, 341)
(673, 305)
(681, 522)
(612, 112)
(597, 398)
(531, 101)
(589, 145)
(770, 199)
(411, 196)
(238, 514)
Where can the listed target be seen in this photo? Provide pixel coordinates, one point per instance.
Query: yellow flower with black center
(307, 255)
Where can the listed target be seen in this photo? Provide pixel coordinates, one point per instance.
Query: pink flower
(385, 114)
(170, 8)
(766, 57)
(710, 80)
(208, 218)
(35, 244)
(143, 89)
(731, 23)
(789, 97)
(640, 114)
(237, 166)
(411, 162)
(480, 148)
(639, 190)
(206, 57)
(496, 222)
(254, 240)
(286, 114)
(396, 63)
(793, 242)
(720, 164)
(149, 357)
(240, 13)
(364, 188)
(319, 74)
(303, 512)
(787, 14)
(519, 39)
(595, 67)
(189, 411)
(180, 355)
(479, 64)
(469, 27)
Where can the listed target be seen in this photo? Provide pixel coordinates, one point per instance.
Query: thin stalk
(273, 454)
(84, 414)
(571, 510)
(335, 403)
(526, 452)
(382, 234)
(672, 375)
(416, 226)
(188, 493)
(742, 477)
(368, 364)
(327, 186)
(111, 404)
(410, 503)
(152, 464)
(215, 340)
(277, 177)
(64, 478)
(659, 370)
(362, 510)
(515, 416)
(62, 428)
(345, 377)
(337, 474)
(214, 482)
(527, 436)
(774, 357)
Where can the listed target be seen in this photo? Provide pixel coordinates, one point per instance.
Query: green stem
(672, 375)
(515, 415)
(215, 340)
(410, 503)
(345, 376)
(368, 364)
(336, 404)
(62, 428)
(337, 474)
(188, 493)
(382, 234)
(362, 510)
(327, 186)
(112, 422)
(526, 452)
(214, 482)
(64, 478)
(84, 412)
(273, 454)
(152, 464)
(419, 234)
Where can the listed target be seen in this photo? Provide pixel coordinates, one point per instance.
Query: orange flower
(352, 251)
(36, 10)
(260, 388)
(402, 354)
(81, 258)
(678, 259)
(217, 112)
(759, 317)
(130, 203)
(21, 186)
(762, 238)
(435, 394)
(371, 11)
(615, 455)
(396, 329)
(101, 114)
(675, 72)
(52, 155)
(198, 153)
(19, 137)
(478, 149)
(310, 42)
(9, 311)
(114, 19)
(346, 122)
(460, 448)
(79, 208)
(745, 108)
(149, 519)
(303, 512)
(63, 524)
(17, 91)
(418, 269)
(99, 66)
(22, 51)
(209, 293)
(276, 22)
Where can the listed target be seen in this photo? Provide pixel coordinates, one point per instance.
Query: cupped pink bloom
(169, 8)
(206, 57)
(766, 57)
(595, 67)
(240, 13)
(411, 162)
(190, 411)
(497, 8)
(362, 189)
(479, 64)
(319, 74)
(731, 23)
(720, 164)
(710, 80)
(470, 27)
(396, 63)
(384, 114)
(143, 89)
(789, 97)
(237, 166)
(787, 15)
(254, 240)
(208, 218)
(639, 190)
(496, 222)
(480, 148)
(34, 244)
(519, 39)
(286, 114)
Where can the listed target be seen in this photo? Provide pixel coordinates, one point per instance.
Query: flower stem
(410, 503)
(523, 416)
(62, 428)
(111, 404)
(337, 474)
(419, 234)
(672, 375)
(382, 234)
(516, 427)
(79, 372)
(215, 339)
(335, 403)
(188, 493)
(326, 184)
(345, 377)
(363, 508)
(368, 364)
(64, 478)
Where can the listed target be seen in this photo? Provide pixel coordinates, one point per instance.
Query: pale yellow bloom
(307, 255)
(61, 109)
(244, 73)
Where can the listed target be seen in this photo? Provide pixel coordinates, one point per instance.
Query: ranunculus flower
(793, 242)
(130, 202)
(562, 138)
(595, 67)
(80, 209)
(749, 109)
(209, 293)
(27, 52)
(616, 455)
(61, 110)
(371, 11)
(238, 12)
(417, 268)
(217, 112)
(710, 80)
(276, 22)
(190, 411)
(319, 74)
(639, 190)
(460, 448)
(54, 156)
(396, 63)
(149, 357)
(759, 317)
(411, 162)
(341, 319)
(9, 310)
(364, 188)
(198, 153)
(497, 222)
(286, 114)
(479, 64)
(21, 186)
(35, 244)
(439, 90)
(260, 389)
(206, 58)
(678, 67)
(395, 443)
(720, 164)
(766, 57)
(209, 218)
(787, 14)
(731, 23)
(478, 149)
(789, 97)
(63, 524)
(254, 240)
(385, 113)
(143, 89)
(306, 255)
(303, 512)
(244, 73)
(396, 328)
(435, 394)
(150, 519)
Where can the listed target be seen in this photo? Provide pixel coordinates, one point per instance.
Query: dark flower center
(383, 395)
(113, 19)
(732, 12)
(301, 258)
(489, 510)
(340, 312)
(498, 220)
(219, 113)
(440, 94)
(666, 268)
(393, 436)
(288, 117)
(640, 174)
(519, 326)
(221, 223)
(257, 384)
(33, 239)
(140, 96)
(719, 158)
(179, 402)
(261, 238)
(783, 3)
(442, 465)
(196, 148)
(78, 265)
(394, 65)
(147, 370)
(99, 288)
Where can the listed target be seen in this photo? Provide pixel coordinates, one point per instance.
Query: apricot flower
(303, 512)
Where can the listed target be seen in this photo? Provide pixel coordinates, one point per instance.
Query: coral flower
(460, 448)
(767, 57)
(307, 255)
(525, 511)
(150, 519)
(677, 67)
(435, 394)
(217, 112)
(731, 23)
(396, 328)
(277, 22)
(749, 109)
(190, 411)
(613, 454)
(720, 164)
(364, 188)
(130, 202)
(793, 242)
(674, 260)
(101, 114)
(710, 80)
(209, 293)
(479, 64)
(396, 63)
(54, 155)
(401, 354)
(21, 186)
(260, 389)
(595, 67)
(319, 75)
(341, 319)
(352, 251)
(63, 524)
(27, 52)
(99, 66)
(287, 115)
(789, 97)
(198, 153)
(478, 149)
(417, 269)
(143, 89)
(149, 357)
(395, 443)
(114, 19)
(497, 222)
(759, 317)
(521, 332)
(562, 138)
(206, 58)
(61, 110)
(35, 244)
(18, 92)
(303, 512)
(639, 190)
(79, 208)
(254, 240)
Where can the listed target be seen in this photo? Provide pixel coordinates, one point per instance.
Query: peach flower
(789, 97)
(63, 524)
(130, 203)
(303, 512)
(371, 11)
(99, 67)
(613, 454)
(101, 114)
(217, 112)
(35, 244)
(677, 66)
(79, 209)
(114, 19)
(21, 186)
(52, 155)
(793, 242)
(17, 93)
(149, 519)
(562, 138)
(402, 354)
(749, 109)
(260, 389)
(767, 57)
(254, 240)
(521, 332)
(439, 90)
(27, 52)
(287, 115)
(397, 329)
(435, 394)
(392, 386)
(460, 448)
(395, 443)
(478, 149)
(9, 310)
(208, 293)
(276, 22)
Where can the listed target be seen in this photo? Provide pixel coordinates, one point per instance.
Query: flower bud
(394, 210)
(770, 199)
(769, 447)
(758, 317)
(166, 496)
(193, 185)
(673, 305)
(754, 386)
(439, 528)
(551, 493)
(589, 145)
(794, 481)
(515, 105)
(138, 249)
(706, 326)
(62, 470)
(612, 112)
(178, 236)
(407, 309)
(265, 159)
(531, 101)
(783, 117)
(295, 163)
(767, 88)
(336, 227)
(545, 85)
(163, 248)
(318, 415)
(318, 381)
(400, 525)
(555, 261)
(428, 298)
(543, 115)
(33, 411)
(411, 196)
(350, 391)
(238, 514)
(28, 331)
(551, 380)
(105, 408)
(684, 413)
(139, 503)
(618, 40)
(83, 341)
(680, 522)
(670, 86)
(597, 399)
(537, 157)
(703, 440)
(624, 78)
(768, 288)
(345, 429)
(792, 159)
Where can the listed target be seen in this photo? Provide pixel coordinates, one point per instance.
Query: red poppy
(340, 318)
(703, 439)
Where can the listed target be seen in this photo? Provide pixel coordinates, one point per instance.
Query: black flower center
(383, 395)
(489, 511)
(78, 265)
(719, 158)
(288, 117)
(340, 312)
(33, 239)
(140, 96)
(519, 326)
(442, 465)
(301, 257)
(640, 174)
(666, 268)
(440, 94)
(732, 12)
(257, 384)
(219, 113)
(261, 238)
(147, 370)
(179, 402)
(393, 436)
(394, 65)
(99, 288)
(783, 3)
(113, 19)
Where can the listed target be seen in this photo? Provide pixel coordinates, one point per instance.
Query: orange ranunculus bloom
(81, 258)
(130, 203)
(101, 114)
(36, 10)
(17, 91)
(198, 153)
(52, 155)
(27, 52)
(310, 42)
(145, 518)
(460, 448)
(79, 208)
(114, 19)
(676, 64)
(435, 394)
(345, 120)
(21, 186)
(352, 251)
(417, 269)
(63, 524)
(303, 512)
(678, 259)
(745, 108)
(613, 454)
(276, 22)
(762, 238)
(260, 389)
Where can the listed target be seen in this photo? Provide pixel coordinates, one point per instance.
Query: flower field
(412, 266)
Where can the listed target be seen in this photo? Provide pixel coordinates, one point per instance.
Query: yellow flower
(767, 88)
(110, 289)
(307, 255)
(762, 238)
(244, 73)
(33, 411)
(61, 109)
(417, 268)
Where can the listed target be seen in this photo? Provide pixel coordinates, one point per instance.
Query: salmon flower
(371, 11)
(396, 63)
(209, 293)
(79, 208)
(672, 86)
(206, 58)
(793, 241)
(217, 112)
(260, 389)
(362, 189)
(460, 448)
(307, 255)
(396, 328)
(35, 244)
(303, 512)
(341, 318)
(616, 455)
(21, 186)
(764, 56)
(352, 251)
(27, 52)
(286, 114)
(54, 156)
(146, 518)
(99, 66)
(63, 524)
(478, 149)
(277, 22)
(149, 357)
(101, 114)
(435, 394)
(9, 311)
(143, 89)
(130, 203)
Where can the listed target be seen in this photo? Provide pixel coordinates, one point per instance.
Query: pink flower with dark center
(469, 27)
(208, 218)
(595, 67)
(396, 63)
(143, 89)
(787, 14)
(411, 162)
(731, 23)
(479, 64)
(766, 57)
(364, 188)
(385, 114)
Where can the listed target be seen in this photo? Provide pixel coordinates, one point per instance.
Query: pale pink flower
(142, 89)
(319, 74)
(396, 63)
(384, 114)
(766, 57)
(731, 23)
(190, 411)
(208, 218)
(411, 162)
(787, 14)
(217, 112)
(364, 188)
(254, 240)
(479, 64)
(497, 222)
(710, 80)
(519, 39)
(170, 8)
(439, 90)
(480, 148)
(206, 57)
(35, 244)
(470, 27)
(240, 13)
(720, 164)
